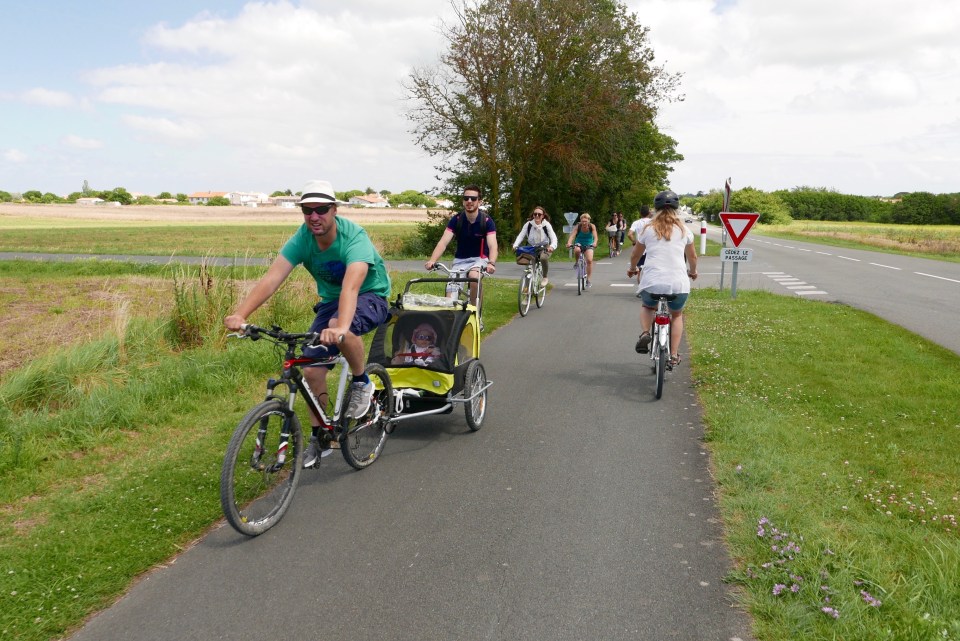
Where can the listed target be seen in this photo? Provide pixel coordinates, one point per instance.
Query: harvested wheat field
(192, 214)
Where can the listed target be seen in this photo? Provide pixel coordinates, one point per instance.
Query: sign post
(723, 230)
(738, 226)
(570, 216)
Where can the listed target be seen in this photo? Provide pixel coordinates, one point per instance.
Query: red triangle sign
(737, 225)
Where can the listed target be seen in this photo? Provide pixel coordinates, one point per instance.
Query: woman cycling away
(538, 230)
(584, 236)
(666, 241)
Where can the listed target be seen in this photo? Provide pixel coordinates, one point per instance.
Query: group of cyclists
(353, 285)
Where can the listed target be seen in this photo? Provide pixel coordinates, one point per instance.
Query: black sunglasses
(471, 197)
(320, 210)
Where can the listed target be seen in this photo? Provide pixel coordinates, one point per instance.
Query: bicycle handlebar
(277, 335)
(456, 274)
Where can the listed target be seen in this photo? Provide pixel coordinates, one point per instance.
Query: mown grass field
(929, 241)
(840, 491)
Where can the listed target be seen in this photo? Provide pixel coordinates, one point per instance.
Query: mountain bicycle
(660, 339)
(264, 459)
(531, 282)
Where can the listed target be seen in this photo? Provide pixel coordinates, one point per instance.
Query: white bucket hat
(319, 191)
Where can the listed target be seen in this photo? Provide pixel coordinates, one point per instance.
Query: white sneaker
(360, 396)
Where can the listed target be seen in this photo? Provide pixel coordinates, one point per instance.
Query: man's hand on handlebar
(234, 322)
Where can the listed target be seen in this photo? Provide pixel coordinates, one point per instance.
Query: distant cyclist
(538, 230)
(666, 241)
(584, 238)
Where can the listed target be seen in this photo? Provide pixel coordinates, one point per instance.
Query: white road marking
(952, 280)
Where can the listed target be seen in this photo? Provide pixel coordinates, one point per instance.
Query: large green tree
(546, 101)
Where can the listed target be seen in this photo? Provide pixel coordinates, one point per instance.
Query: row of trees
(810, 203)
(545, 102)
(121, 195)
(117, 195)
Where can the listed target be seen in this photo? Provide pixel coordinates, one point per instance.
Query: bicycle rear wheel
(663, 355)
(364, 437)
(261, 468)
(525, 292)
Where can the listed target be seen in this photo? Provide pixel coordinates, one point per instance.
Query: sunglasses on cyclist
(471, 197)
(320, 210)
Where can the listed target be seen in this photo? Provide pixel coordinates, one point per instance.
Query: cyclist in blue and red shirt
(476, 236)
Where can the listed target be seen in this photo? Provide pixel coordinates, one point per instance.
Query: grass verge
(180, 240)
(834, 438)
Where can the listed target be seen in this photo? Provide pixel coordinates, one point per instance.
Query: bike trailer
(427, 347)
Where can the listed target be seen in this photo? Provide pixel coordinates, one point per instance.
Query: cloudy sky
(862, 96)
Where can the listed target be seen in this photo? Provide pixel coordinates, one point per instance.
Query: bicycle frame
(293, 379)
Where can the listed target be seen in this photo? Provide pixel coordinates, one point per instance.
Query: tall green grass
(836, 444)
(110, 451)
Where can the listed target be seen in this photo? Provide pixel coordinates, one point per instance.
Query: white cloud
(163, 129)
(792, 93)
(14, 155)
(282, 82)
(47, 98)
(77, 142)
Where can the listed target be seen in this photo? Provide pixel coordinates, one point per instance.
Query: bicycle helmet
(666, 200)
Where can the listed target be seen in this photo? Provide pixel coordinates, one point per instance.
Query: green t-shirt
(329, 267)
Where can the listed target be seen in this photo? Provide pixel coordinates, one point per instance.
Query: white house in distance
(370, 200)
(249, 198)
(203, 197)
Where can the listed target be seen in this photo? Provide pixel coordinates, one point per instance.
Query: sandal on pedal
(675, 360)
(643, 345)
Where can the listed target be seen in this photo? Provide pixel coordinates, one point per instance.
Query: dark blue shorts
(675, 305)
(372, 312)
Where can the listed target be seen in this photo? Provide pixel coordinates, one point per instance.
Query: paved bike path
(583, 509)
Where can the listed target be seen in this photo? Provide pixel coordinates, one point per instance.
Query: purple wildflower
(870, 600)
(778, 588)
(830, 611)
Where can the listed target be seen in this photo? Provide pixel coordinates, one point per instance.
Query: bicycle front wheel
(261, 468)
(539, 289)
(525, 292)
(364, 437)
(580, 278)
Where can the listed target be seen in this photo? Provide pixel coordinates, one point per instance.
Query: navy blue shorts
(675, 305)
(372, 312)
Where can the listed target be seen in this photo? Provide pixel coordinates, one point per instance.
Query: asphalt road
(583, 509)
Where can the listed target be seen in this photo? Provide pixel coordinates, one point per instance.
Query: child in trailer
(421, 348)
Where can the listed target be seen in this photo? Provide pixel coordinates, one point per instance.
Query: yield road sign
(737, 225)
